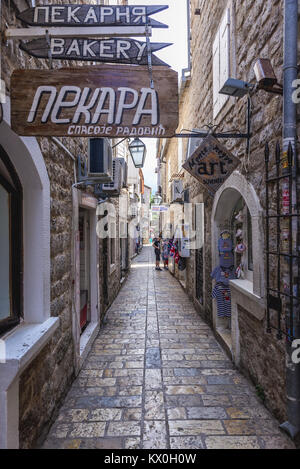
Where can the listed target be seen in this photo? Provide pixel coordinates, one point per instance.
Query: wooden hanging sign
(92, 15)
(211, 164)
(113, 50)
(104, 101)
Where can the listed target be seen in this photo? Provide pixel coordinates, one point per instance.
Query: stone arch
(226, 197)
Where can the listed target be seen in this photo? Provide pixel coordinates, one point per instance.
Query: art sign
(104, 101)
(211, 164)
(114, 50)
(92, 15)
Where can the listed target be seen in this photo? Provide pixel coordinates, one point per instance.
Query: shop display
(222, 274)
(226, 259)
(223, 296)
(240, 248)
(182, 264)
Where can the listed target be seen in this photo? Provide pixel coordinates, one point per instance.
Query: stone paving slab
(156, 378)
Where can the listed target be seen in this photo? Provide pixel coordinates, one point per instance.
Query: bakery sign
(92, 15)
(113, 50)
(211, 164)
(104, 101)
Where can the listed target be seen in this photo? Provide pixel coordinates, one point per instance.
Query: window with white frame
(221, 62)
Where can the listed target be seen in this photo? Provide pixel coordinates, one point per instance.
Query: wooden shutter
(216, 73)
(224, 53)
(221, 62)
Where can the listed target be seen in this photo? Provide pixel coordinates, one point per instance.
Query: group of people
(162, 249)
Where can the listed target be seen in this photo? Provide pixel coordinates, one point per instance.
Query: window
(241, 226)
(10, 245)
(221, 62)
(85, 283)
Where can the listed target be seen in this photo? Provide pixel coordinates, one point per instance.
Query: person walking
(157, 249)
(165, 253)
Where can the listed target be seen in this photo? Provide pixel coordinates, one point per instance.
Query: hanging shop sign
(92, 15)
(114, 50)
(211, 164)
(108, 100)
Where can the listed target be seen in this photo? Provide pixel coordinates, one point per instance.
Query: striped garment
(222, 294)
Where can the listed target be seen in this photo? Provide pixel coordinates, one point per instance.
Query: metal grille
(282, 245)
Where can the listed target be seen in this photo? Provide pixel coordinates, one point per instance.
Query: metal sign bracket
(150, 68)
(49, 48)
(222, 135)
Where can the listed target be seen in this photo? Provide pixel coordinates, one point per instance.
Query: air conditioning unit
(177, 191)
(115, 186)
(124, 171)
(100, 165)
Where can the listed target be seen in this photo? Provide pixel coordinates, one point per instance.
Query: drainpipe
(292, 426)
(186, 72)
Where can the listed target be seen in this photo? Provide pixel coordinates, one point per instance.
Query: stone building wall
(44, 383)
(256, 31)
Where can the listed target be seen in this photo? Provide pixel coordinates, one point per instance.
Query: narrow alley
(156, 378)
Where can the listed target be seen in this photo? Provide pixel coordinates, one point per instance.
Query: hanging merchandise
(177, 257)
(241, 248)
(240, 218)
(239, 234)
(285, 238)
(225, 243)
(172, 251)
(226, 259)
(240, 271)
(223, 275)
(223, 296)
(285, 197)
(182, 263)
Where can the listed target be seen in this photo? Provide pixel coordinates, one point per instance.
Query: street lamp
(157, 199)
(138, 152)
(236, 88)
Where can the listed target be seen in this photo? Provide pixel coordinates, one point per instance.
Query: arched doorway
(237, 209)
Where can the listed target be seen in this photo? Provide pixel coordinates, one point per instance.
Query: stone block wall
(44, 383)
(256, 31)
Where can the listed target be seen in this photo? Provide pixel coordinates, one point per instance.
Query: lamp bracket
(121, 141)
(229, 135)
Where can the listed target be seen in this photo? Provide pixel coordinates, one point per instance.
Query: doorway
(85, 283)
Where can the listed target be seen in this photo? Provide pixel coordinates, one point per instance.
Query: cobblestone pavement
(156, 378)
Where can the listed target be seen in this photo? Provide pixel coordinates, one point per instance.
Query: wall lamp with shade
(138, 152)
(265, 78)
(236, 88)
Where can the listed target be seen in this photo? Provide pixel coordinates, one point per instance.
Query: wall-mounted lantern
(138, 152)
